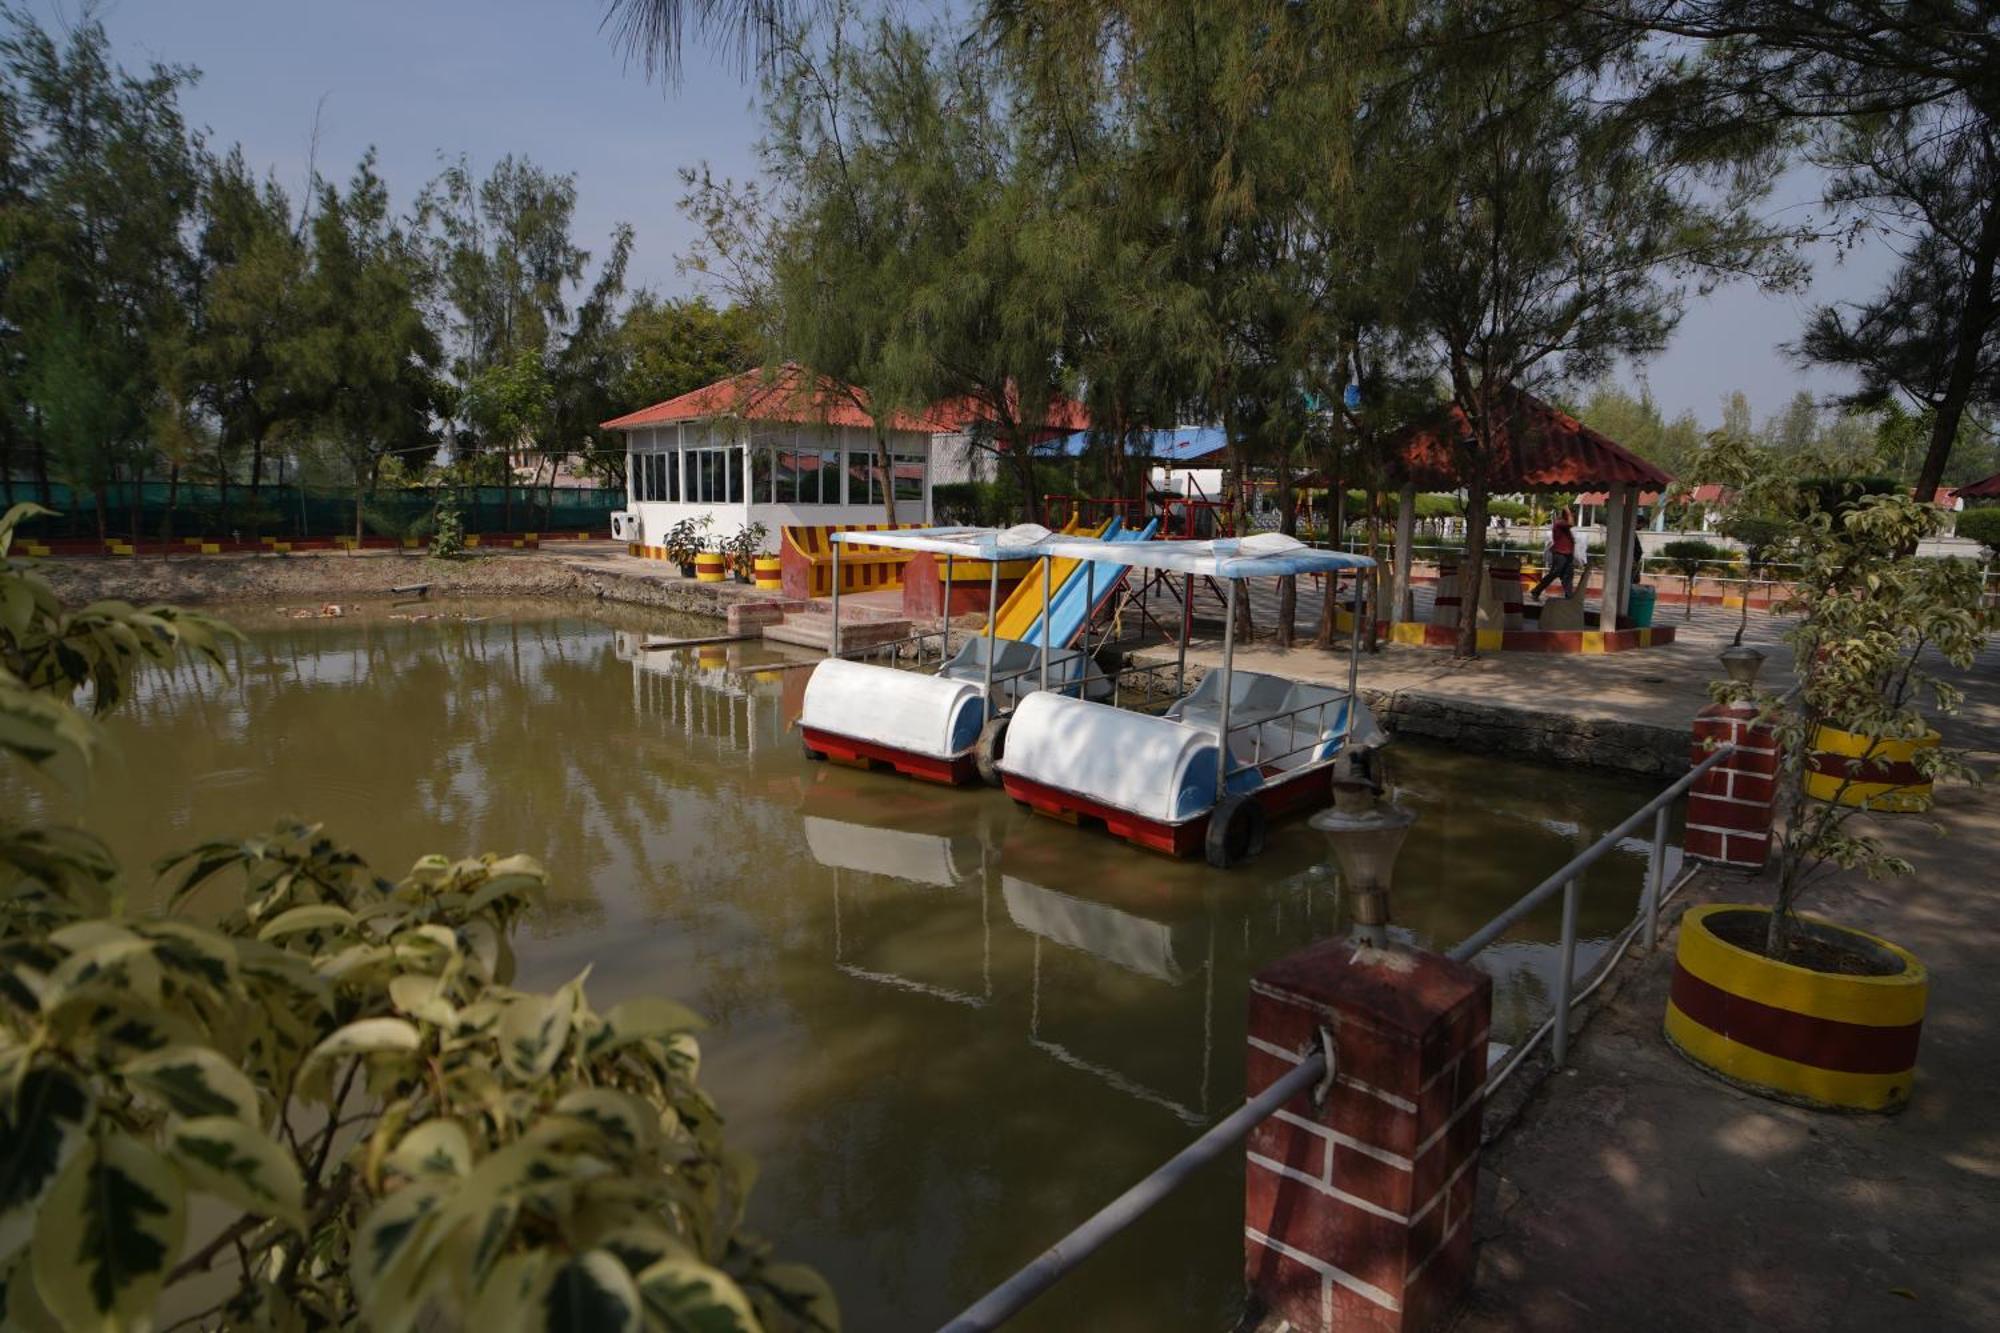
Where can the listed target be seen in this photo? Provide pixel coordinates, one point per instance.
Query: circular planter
(709, 567)
(1825, 1039)
(770, 572)
(1886, 779)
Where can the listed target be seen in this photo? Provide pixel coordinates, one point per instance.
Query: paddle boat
(937, 726)
(1204, 778)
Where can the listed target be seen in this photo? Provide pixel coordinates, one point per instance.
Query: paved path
(1638, 1193)
(1662, 686)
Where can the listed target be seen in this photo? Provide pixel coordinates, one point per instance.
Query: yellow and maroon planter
(1821, 1038)
(1887, 779)
(710, 567)
(770, 572)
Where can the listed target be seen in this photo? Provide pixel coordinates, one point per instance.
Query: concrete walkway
(1636, 1192)
(1620, 710)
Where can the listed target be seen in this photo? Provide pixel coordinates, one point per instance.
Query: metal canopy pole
(1187, 627)
(1354, 643)
(1089, 606)
(944, 651)
(1048, 622)
(1228, 662)
(992, 622)
(833, 539)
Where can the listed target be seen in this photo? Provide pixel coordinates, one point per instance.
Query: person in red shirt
(1562, 556)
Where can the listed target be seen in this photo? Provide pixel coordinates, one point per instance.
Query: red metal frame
(1296, 792)
(958, 771)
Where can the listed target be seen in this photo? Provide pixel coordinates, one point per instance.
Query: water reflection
(949, 1029)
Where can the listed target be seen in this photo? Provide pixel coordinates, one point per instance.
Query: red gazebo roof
(1538, 447)
(784, 395)
(1986, 488)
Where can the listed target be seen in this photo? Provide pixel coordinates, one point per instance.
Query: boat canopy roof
(1260, 556)
(1020, 542)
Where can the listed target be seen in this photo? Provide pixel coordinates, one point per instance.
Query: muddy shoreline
(294, 580)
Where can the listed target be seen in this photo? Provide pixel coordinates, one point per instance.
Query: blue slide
(1074, 605)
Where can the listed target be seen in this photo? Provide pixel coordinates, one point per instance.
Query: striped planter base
(1818, 1038)
(1872, 774)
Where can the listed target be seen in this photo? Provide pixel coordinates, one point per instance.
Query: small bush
(1982, 526)
(448, 538)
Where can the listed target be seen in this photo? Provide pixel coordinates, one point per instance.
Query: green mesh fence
(292, 511)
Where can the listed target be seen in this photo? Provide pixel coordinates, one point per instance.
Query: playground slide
(1021, 613)
(1086, 591)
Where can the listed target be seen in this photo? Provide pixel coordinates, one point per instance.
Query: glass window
(763, 476)
(909, 471)
(670, 472)
(732, 460)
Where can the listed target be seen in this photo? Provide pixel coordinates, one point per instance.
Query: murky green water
(948, 1029)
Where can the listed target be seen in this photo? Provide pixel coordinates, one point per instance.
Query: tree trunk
(1288, 586)
(138, 491)
(1974, 326)
(1472, 570)
(1024, 464)
(103, 515)
(173, 499)
(888, 475)
(41, 465)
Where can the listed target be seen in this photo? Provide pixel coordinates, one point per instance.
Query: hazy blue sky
(420, 78)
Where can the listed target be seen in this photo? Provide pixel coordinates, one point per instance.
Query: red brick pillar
(1730, 807)
(1358, 1208)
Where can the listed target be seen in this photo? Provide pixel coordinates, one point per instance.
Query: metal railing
(1053, 1264)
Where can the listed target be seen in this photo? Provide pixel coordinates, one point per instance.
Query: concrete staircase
(861, 625)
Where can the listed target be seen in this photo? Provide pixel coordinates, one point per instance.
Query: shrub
(687, 539)
(1689, 556)
(1982, 526)
(377, 1123)
(448, 536)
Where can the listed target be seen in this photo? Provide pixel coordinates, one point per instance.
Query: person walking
(1559, 556)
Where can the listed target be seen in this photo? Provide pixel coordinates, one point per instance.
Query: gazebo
(1538, 447)
(1986, 488)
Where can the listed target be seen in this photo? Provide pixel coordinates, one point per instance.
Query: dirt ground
(293, 578)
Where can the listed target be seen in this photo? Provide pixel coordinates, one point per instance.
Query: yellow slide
(1022, 610)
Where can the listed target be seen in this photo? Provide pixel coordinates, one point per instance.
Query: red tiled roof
(1986, 488)
(1943, 495)
(1061, 415)
(1710, 493)
(784, 395)
(1538, 447)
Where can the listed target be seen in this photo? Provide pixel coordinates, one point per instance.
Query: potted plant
(1789, 1005)
(684, 541)
(743, 549)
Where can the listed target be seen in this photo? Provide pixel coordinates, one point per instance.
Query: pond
(948, 1029)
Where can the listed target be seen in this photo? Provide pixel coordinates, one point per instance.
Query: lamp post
(1366, 835)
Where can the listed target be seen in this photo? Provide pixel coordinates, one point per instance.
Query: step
(855, 611)
(812, 630)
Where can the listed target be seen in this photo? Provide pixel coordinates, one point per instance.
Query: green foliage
(687, 539)
(744, 546)
(1868, 610)
(1839, 494)
(1982, 526)
(448, 540)
(1690, 556)
(324, 1079)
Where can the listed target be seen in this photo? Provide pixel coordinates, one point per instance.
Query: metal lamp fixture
(1366, 834)
(1742, 662)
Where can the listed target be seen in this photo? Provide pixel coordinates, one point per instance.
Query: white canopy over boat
(1266, 554)
(1023, 541)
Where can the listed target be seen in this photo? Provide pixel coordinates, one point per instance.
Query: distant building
(778, 448)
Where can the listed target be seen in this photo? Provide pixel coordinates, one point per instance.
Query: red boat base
(958, 771)
(1309, 788)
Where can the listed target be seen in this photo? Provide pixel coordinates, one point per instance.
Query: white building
(766, 447)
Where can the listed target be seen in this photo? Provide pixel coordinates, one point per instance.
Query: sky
(425, 79)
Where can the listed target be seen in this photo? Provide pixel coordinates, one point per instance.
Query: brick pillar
(1357, 1210)
(1730, 807)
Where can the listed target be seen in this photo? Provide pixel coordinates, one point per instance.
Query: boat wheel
(1235, 831)
(812, 755)
(992, 744)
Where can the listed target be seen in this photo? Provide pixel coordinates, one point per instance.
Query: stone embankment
(274, 579)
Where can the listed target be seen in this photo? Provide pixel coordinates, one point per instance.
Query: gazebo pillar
(1406, 526)
(1618, 511)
